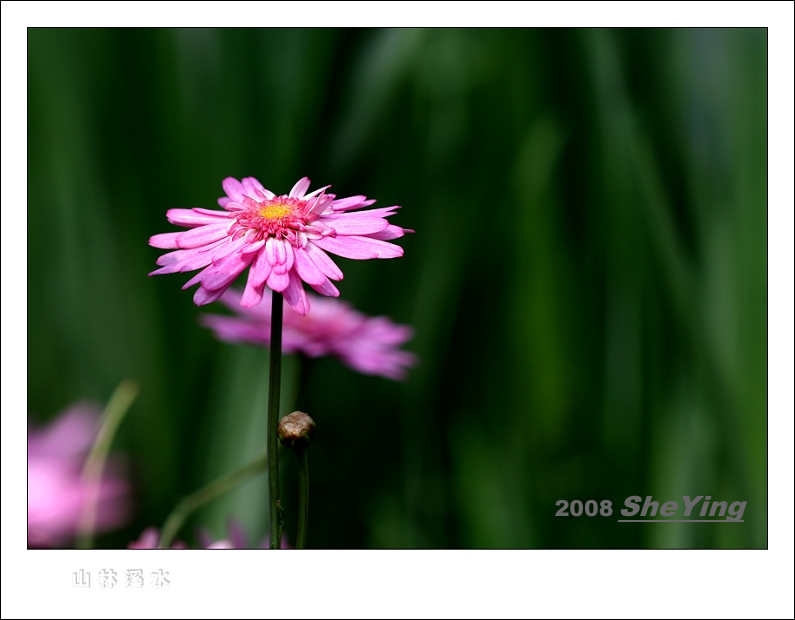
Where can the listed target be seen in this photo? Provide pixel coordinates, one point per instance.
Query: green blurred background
(587, 281)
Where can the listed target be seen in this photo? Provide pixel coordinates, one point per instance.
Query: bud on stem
(296, 431)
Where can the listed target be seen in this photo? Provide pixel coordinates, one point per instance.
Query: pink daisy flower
(283, 239)
(57, 493)
(366, 344)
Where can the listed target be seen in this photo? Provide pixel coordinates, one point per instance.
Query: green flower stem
(117, 407)
(206, 494)
(303, 495)
(274, 385)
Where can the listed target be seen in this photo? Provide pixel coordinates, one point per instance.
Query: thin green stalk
(206, 494)
(303, 495)
(274, 385)
(117, 407)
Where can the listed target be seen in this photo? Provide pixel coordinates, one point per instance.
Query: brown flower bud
(296, 430)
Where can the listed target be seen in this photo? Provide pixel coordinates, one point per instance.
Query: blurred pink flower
(237, 539)
(149, 539)
(284, 239)
(57, 494)
(332, 327)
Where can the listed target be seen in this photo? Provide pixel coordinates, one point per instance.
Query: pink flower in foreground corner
(284, 239)
(332, 327)
(57, 493)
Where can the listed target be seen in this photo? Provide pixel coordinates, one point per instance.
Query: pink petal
(148, 539)
(178, 256)
(382, 212)
(360, 205)
(203, 235)
(320, 205)
(223, 214)
(260, 269)
(307, 270)
(203, 296)
(272, 250)
(194, 280)
(289, 258)
(389, 233)
(189, 217)
(318, 229)
(316, 192)
(227, 247)
(295, 295)
(253, 247)
(381, 248)
(323, 261)
(278, 281)
(346, 246)
(234, 189)
(326, 288)
(222, 273)
(166, 241)
(253, 294)
(68, 436)
(201, 258)
(353, 225)
(171, 257)
(222, 201)
(172, 268)
(253, 186)
(349, 203)
(281, 251)
(299, 189)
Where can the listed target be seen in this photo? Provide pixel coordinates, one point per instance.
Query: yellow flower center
(275, 211)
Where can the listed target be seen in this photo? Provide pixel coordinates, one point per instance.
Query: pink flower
(57, 493)
(237, 539)
(366, 344)
(149, 539)
(284, 239)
